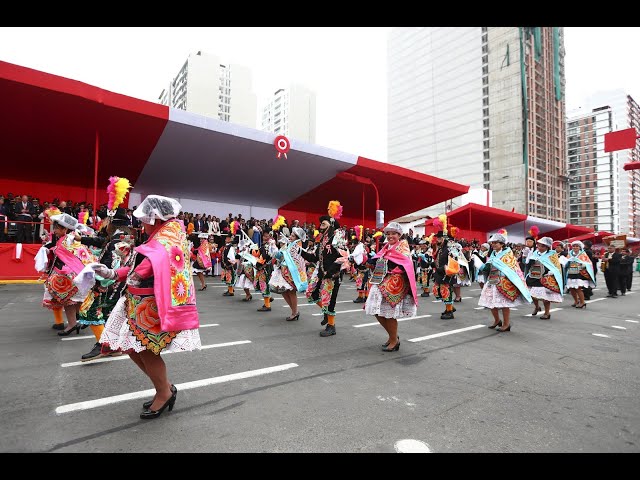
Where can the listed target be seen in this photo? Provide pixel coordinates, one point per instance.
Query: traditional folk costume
(228, 264)
(324, 285)
(290, 273)
(359, 259)
(479, 257)
(67, 257)
(506, 286)
(463, 277)
(543, 274)
(201, 255)
(424, 270)
(578, 273)
(158, 310)
(445, 269)
(392, 293)
(262, 272)
(245, 272)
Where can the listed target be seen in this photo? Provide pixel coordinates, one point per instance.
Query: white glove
(104, 271)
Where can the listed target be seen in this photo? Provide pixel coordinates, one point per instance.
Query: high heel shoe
(535, 311)
(294, 318)
(508, 329)
(64, 333)
(394, 349)
(584, 305)
(499, 324)
(148, 414)
(203, 288)
(147, 405)
(387, 343)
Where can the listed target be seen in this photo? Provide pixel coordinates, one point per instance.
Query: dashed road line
(400, 320)
(444, 334)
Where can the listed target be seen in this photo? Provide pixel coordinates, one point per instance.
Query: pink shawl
(399, 254)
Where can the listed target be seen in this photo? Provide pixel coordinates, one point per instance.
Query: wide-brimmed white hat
(66, 220)
(300, 233)
(547, 241)
(393, 227)
(157, 207)
(577, 242)
(498, 237)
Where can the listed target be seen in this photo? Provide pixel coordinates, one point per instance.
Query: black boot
(324, 320)
(94, 354)
(328, 331)
(446, 316)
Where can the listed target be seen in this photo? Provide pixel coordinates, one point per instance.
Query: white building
(207, 86)
(625, 114)
(482, 106)
(594, 179)
(291, 112)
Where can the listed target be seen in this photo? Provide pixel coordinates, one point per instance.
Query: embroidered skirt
(134, 326)
(542, 293)
(377, 305)
(579, 282)
(281, 280)
(492, 298)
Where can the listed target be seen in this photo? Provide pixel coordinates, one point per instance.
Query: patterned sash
(394, 288)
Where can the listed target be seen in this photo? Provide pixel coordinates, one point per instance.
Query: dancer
(445, 269)
(200, 257)
(228, 263)
(578, 273)
(543, 274)
(158, 311)
(359, 258)
(291, 275)
(324, 285)
(505, 287)
(393, 288)
(264, 270)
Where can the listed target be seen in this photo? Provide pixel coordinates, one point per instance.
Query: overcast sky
(345, 66)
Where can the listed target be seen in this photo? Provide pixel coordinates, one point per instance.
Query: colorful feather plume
(443, 220)
(235, 226)
(534, 232)
(316, 233)
(377, 234)
(83, 216)
(453, 231)
(117, 190)
(49, 212)
(190, 228)
(430, 239)
(502, 231)
(278, 222)
(334, 209)
(359, 229)
(437, 223)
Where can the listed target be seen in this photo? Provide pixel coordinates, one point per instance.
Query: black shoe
(147, 405)
(83, 326)
(75, 328)
(294, 318)
(227, 294)
(264, 308)
(424, 294)
(459, 300)
(247, 299)
(95, 353)
(58, 326)
(359, 300)
(446, 316)
(394, 349)
(151, 414)
(453, 310)
(325, 319)
(327, 332)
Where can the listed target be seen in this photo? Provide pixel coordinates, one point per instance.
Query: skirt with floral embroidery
(377, 305)
(134, 326)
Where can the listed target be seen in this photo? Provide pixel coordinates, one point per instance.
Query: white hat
(300, 233)
(577, 242)
(157, 207)
(498, 237)
(66, 220)
(486, 245)
(547, 241)
(393, 227)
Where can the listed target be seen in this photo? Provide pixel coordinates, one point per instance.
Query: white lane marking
(476, 290)
(436, 301)
(282, 298)
(400, 320)
(411, 446)
(84, 337)
(344, 311)
(101, 402)
(309, 304)
(482, 308)
(601, 335)
(594, 300)
(619, 328)
(632, 321)
(550, 310)
(444, 334)
(210, 325)
(630, 293)
(125, 357)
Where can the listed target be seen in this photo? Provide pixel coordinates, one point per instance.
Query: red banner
(18, 267)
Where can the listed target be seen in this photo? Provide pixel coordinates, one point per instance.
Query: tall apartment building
(482, 106)
(594, 180)
(291, 112)
(207, 86)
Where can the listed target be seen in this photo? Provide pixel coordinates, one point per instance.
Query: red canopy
(569, 231)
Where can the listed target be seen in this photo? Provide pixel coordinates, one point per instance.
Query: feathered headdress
(117, 190)
(534, 232)
(453, 231)
(334, 209)
(377, 234)
(83, 215)
(441, 223)
(235, 226)
(278, 222)
(190, 228)
(53, 210)
(502, 231)
(359, 229)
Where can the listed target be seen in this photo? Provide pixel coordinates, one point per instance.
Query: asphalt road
(261, 384)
